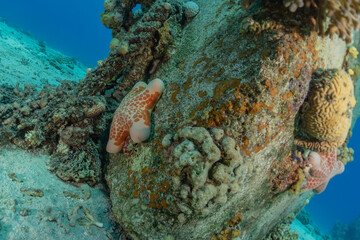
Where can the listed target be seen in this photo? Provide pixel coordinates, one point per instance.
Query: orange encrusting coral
(132, 117)
(143, 184)
(212, 107)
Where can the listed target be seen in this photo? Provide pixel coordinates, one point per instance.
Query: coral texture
(144, 40)
(324, 167)
(226, 234)
(284, 173)
(326, 114)
(207, 175)
(58, 121)
(343, 15)
(109, 5)
(133, 115)
(282, 231)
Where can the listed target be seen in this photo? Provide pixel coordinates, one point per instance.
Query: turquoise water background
(341, 199)
(74, 27)
(70, 26)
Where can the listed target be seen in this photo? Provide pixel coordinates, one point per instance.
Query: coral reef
(221, 158)
(68, 120)
(330, 17)
(109, 5)
(143, 41)
(326, 114)
(304, 217)
(58, 121)
(342, 231)
(353, 52)
(282, 231)
(353, 231)
(339, 231)
(300, 172)
(133, 115)
(345, 154)
(343, 16)
(226, 234)
(209, 181)
(324, 167)
(227, 114)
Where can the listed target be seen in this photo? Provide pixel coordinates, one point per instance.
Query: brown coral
(226, 234)
(146, 39)
(343, 15)
(326, 115)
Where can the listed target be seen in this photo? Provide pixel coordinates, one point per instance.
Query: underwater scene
(179, 120)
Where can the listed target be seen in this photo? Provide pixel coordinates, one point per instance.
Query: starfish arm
(321, 188)
(318, 173)
(339, 167)
(118, 132)
(140, 131)
(328, 161)
(156, 85)
(314, 159)
(136, 91)
(115, 145)
(313, 182)
(152, 94)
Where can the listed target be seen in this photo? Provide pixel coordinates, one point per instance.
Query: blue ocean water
(74, 28)
(341, 199)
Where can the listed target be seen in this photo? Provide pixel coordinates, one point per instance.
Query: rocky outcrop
(234, 85)
(220, 161)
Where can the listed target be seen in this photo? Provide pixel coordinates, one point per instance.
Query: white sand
(61, 213)
(23, 62)
(30, 217)
(305, 232)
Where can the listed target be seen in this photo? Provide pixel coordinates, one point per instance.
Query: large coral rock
(233, 88)
(327, 112)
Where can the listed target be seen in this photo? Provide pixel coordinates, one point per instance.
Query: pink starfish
(324, 167)
(132, 117)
